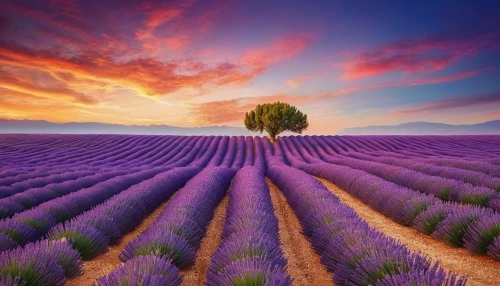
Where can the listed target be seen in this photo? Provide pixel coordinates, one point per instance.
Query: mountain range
(427, 128)
(45, 127)
(411, 128)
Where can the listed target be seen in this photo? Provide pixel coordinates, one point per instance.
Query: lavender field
(218, 210)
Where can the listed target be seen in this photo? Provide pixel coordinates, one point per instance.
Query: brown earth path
(479, 269)
(303, 263)
(196, 275)
(107, 262)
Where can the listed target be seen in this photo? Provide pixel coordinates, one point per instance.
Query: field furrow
(105, 263)
(196, 275)
(479, 270)
(303, 264)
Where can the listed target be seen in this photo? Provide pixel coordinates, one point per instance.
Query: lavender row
(176, 234)
(470, 165)
(183, 222)
(21, 186)
(355, 252)
(44, 263)
(478, 229)
(52, 155)
(144, 270)
(249, 252)
(91, 232)
(35, 196)
(59, 155)
(31, 225)
(445, 189)
(471, 177)
(453, 146)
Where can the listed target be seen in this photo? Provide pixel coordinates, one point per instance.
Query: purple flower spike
(182, 226)
(495, 204)
(19, 232)
(87, 240)
(453, 228)
(494, 249)
(481, 234)
(38, 220)
(411, 208)
(242, 247)
(9, 281)
(143, 270)
(165, 245)
(428, 220)
(6, 242)
(67, 257)
(104, 225)
(8, 208)
(251, 271)
(34, 267)
(124, 216)
(434, 276)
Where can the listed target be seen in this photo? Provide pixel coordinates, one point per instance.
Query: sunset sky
(202, 63)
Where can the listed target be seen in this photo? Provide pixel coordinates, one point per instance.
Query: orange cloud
(148, 76)
(227, 111)
(8, 81)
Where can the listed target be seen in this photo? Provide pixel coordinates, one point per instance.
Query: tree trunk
(272, 138)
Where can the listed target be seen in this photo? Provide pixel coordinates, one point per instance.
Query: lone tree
(275, 118)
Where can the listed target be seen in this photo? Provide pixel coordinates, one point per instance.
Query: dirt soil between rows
(479, 269)
(303, 263)
(107, 262)
(196, 275)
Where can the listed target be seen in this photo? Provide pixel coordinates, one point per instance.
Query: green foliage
(275, 118)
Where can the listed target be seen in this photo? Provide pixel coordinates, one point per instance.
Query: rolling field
(218, 210)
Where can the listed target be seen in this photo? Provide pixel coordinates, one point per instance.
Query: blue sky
(202, 63)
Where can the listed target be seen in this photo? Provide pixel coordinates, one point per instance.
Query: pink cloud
(419, 55)
(407, 62)
(440, 105)
(280, 50)
(297, 81)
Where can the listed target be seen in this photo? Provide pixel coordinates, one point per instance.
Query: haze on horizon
(203, 63)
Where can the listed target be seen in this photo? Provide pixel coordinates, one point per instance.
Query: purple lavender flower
(34, 267)
(8, 208)
(494, 249)
(39, 220)
(143, 270)
(162, 244)
(9, 281)
(6, 242)
(428, 220)
(19, 232)
(481, 234)
(250, 271)
(433, 276)
(453, 228)
(86, 239)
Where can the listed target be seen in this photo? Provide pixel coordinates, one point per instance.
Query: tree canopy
(275, 118)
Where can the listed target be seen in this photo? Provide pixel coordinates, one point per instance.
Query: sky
(204, 63)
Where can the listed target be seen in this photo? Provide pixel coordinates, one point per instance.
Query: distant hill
(427, 128)
(45, 127)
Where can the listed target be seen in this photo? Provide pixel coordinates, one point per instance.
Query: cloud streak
(420, 55)
(447, 104)
(280, 50)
